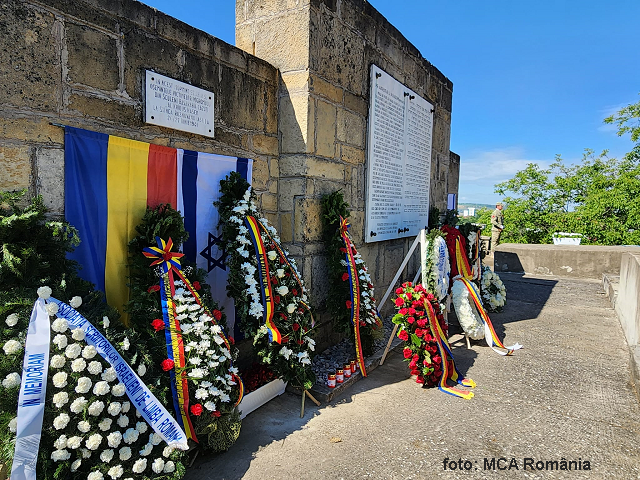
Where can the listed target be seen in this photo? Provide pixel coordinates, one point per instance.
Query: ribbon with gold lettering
(268, 302)
(354, 290)
(449, 369)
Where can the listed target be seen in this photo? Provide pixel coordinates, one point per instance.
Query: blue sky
(531, 78)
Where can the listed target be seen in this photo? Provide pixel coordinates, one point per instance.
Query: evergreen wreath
(339, 299)
(290, 357)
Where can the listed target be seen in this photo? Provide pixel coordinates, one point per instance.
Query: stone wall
(82, 63)
(324, 50)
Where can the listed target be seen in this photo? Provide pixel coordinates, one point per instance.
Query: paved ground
(566, 395)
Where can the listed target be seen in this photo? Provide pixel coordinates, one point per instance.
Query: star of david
(207, 253)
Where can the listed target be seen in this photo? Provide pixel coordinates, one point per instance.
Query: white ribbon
(31, 400)
(145, 402)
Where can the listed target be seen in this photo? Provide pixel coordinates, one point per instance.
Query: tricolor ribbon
(489, 333)
(461, 261)
(266, 289)
(449, 369)
(354, 290)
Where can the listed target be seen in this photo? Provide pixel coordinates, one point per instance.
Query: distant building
(472, 211)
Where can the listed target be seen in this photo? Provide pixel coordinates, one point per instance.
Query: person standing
(497, 225)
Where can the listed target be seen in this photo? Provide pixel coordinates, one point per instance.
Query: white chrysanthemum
(60, 399)
(89, 352)
(126, 344)
(73, 351)
(123, 421)
(76, 465)
(78, 334)
(96, 408)
(60, 379)
(169, 467)
(118, 390)
(51, 308)
(85, 453)
(95, 476)
(115, 472)
(155, 439)
(75, 302)
(60, 442)
(140, 465)
(61, 421)
(60, 325)
(13, 425)
(57, 361)
(124, 453)
(12, 320)
(78, 365)
(105, 322)
(168, 450)
(158, 465)
(114, 408)
(146, 450)
(286, 352)
(291, 308)
(101, 388)
(12, 380)
(74, 442)
(126, 406)
(60, 455)
(12, 347)
(210, 406)
(44, 292)
(84, 426)
(282, 290)
(94, 441)
(142, 369)
(84, 385)
(130, 436)
(107, 455)
(142, 427)
(201, 394)
(60, 340)
(78, 405)
(467, 314)
(95, 368)
(196, 373)
(109, 375)
(105, 424)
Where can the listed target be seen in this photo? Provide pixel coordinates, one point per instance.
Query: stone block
(260, 174)
(325, 187)
(112, 110)
(242, 104)
(356, 103)
(36, 129)
(393, 257)
(325, 129)
(259, 68)
(271, 108)
(325, 89)
(357, 19)
(269, 202)
(357, 227)
(15, 167)
(244, 36)
(352, 155)
(230, 137)
(351, 128)
(291, 28)
(92, 58)
(255, 9)
(294, 82)
(231, 55)
(321, 168)
(296, 111)
(265, 145)
(273, 186)
(30, 59)
(307, 224)
(389, 47)
(286, 227)
(320, 275)
(50, 178)
(289, 189)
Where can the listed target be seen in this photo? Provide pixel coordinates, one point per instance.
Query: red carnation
(399, 302)
(153, 288)
(422, 322)
(217, 314)
(430, 297)
(296, 327)
(413, 364)
(437, 359)
(419, 332)
(157, 325)
(284, 339)
(276, 299)
(348, 303)
(419, 288)
(398, 291)
(197, 286)
(412, 311)
(420, 379)
(345, 276)
(343, 250)
(283, 316)
(403, 311)
(415, 372)
(167, 364)
(300, 342)
(294, 291)
(216, 414)
(407, 353)
(232, 341)
(416, 357)
(426, 363)
(403, 335)
(428, 338)
(411, 319)
(409, 296)
(196, 409)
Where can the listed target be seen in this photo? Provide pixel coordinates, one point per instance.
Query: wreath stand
(422, 240)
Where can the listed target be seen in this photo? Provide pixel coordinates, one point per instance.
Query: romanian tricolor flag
(110, 181)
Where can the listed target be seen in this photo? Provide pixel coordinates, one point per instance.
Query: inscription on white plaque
(398, 159)
(178, 105)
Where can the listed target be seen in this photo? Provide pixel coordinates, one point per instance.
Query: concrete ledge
(578, 261)
(611, 285)
(628, 301)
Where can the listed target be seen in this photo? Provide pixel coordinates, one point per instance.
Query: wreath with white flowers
(291, 358)
(467, 313)
(494, 292)
(437, 265)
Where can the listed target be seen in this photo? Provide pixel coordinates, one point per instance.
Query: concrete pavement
(566, 395)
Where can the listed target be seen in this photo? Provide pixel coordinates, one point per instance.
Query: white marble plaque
(178, 105)
(398, 159)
